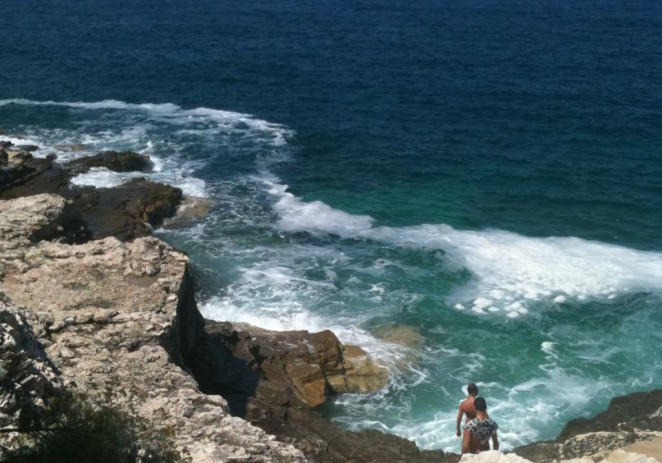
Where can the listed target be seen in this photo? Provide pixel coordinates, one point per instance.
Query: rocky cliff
(113, 319)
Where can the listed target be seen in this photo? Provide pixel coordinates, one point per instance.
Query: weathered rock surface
(311, 366)
(28, 380)
(126, 212)
(493, 456)
(56, 219)
(274, 378)
(635, 418)
(616, 456)
(112, 316)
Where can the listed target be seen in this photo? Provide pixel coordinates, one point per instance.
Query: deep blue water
(481, 175)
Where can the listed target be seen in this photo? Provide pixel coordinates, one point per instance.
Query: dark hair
(480, 404)
(472, 389)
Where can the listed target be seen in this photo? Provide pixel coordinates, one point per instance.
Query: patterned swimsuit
(482, 430)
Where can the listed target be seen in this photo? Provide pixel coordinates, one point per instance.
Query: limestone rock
(119, 323)
(635, 418)
(28, 380)
(39, 217)
(309, 366)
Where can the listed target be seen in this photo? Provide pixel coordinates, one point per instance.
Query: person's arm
(495, 441)
(460, 412)
(466, 437)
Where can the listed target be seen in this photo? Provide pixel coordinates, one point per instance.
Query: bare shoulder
(467, 404)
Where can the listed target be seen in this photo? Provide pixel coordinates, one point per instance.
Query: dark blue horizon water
(561, 94)
(407, 162)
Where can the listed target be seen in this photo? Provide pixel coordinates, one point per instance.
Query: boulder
(274, 379)
(308, 366)
(128, 211)
(126, 161)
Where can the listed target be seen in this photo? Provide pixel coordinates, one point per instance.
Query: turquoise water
(482, 177)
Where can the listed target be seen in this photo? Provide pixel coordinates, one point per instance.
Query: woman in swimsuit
(479, 431)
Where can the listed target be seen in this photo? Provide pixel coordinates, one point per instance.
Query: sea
(471, 190)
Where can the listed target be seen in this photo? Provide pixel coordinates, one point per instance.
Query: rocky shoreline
(91, 301)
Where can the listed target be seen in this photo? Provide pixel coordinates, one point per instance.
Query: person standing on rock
(479, 431)
(467, 407)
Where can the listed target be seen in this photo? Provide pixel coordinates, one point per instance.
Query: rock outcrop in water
(126, 212)
(89, 301)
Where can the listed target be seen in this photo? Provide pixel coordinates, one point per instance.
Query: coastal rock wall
(106, 311)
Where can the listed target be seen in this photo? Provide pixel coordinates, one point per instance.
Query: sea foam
(177, 115)
(166, 132)
(509, 271)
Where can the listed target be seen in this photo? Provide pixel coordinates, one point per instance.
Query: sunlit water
(468, 190)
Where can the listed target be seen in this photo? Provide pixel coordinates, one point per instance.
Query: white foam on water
(510, 271)
(525, 412)
(142, 127)
(314, 217)
(18, 141)
(225, 120)
(272, 292)
(101, 177)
